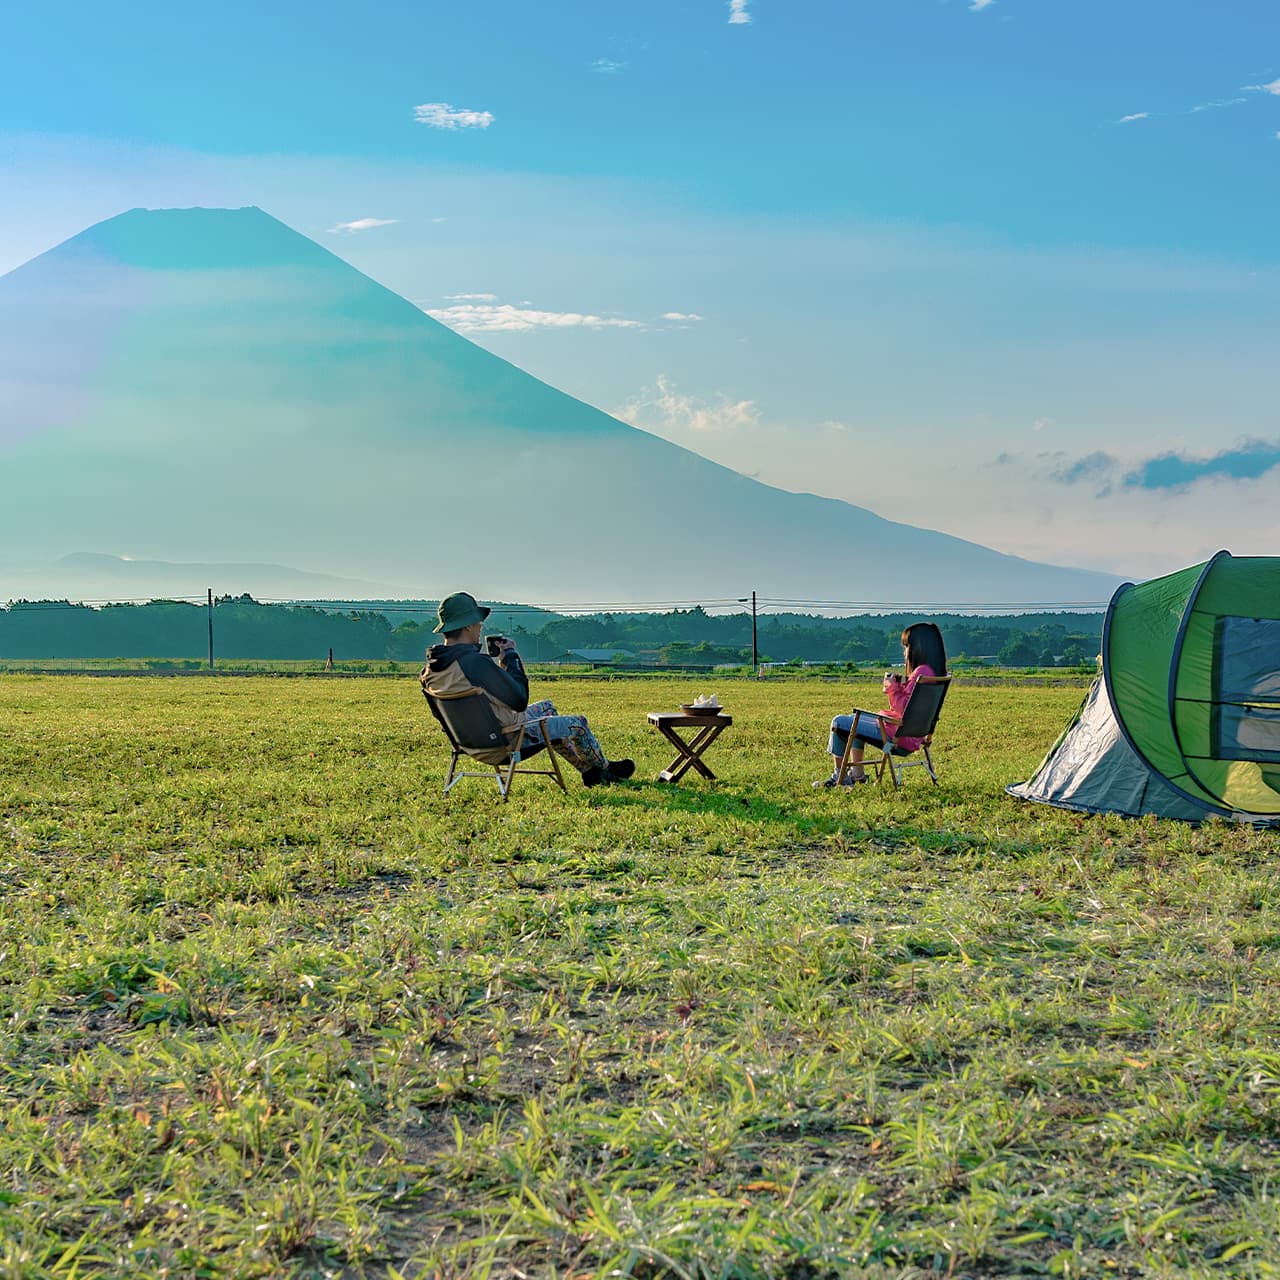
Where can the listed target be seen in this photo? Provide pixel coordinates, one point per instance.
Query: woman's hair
(925, 648)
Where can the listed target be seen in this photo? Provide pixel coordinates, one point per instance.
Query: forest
(244, 628)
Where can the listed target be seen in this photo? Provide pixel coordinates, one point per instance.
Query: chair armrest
(881, 716)
(540, 721)
(524, 724)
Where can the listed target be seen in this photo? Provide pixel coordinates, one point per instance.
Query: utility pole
(210, 611)
(755, 650)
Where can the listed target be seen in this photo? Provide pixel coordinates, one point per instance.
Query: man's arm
(508, 683)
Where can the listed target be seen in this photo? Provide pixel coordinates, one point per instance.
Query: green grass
(269, 1006)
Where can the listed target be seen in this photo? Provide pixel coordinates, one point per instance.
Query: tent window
(1246, 694)
(1248, 733)
(1248, 660)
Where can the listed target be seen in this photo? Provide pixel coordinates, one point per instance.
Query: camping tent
(1184, 721)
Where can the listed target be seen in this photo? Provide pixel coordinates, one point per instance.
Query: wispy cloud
(1249, 461)
(1093, 468)
(1164, 472)
(471, 297)
(608, 66)
(362, 224)
(489, 317)
(1273, 87)
(1216, 105)
(681, 315)
(663, 408)
(440, 115)
(1137, 115)
(738, 13)
(978, 5)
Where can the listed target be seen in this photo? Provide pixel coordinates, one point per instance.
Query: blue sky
(1007, 269)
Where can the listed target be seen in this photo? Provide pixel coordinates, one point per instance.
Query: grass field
(269, 1006)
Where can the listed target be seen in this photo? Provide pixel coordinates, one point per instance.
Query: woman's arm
(899, 691)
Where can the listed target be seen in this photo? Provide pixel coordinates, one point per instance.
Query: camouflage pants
(570, 736)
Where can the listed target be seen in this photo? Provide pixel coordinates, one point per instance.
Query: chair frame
(890, 756)
(504, 771)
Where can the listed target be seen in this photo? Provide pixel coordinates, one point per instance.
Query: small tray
(692, 709)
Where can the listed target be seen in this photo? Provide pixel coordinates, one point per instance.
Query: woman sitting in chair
(925, 655)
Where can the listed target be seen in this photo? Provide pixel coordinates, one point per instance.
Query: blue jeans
(867, 729)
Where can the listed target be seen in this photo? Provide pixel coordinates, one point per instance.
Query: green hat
(459, 610)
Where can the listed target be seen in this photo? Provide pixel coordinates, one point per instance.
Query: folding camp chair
(474, 730)
(919, 719)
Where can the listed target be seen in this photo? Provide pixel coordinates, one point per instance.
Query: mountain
(87, 576)
(207, 385)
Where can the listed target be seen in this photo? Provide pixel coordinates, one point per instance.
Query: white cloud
(440, 115)
(607, 66)
(1137, 115)
(1216, 104)
(363, 224)
(1042, 424)
(471, 297)
(676, 412)
(738, 12)
(978, 5)
(486, 317)
(1273, 87)
(681, 315)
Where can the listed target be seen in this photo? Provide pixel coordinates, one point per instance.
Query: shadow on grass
(750, 806)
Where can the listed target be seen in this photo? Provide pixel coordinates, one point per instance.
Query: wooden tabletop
(685, 717)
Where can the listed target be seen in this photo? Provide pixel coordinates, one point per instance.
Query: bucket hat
(459, 610)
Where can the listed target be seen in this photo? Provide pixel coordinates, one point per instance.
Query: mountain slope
(208, 385)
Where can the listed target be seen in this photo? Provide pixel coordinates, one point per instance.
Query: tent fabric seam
(1212, 807)
(1175, 661)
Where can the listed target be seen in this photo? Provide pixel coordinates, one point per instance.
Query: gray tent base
(1093, 769)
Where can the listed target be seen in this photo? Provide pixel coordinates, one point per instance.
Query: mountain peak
(198, 239)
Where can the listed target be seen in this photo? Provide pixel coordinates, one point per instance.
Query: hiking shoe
(593, 776)
(619, 769)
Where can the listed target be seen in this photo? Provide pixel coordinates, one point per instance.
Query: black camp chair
(919, 720)
(473, 730)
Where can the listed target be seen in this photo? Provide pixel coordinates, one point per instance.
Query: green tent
(1184, 721)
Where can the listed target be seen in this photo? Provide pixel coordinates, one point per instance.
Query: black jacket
(506, 682)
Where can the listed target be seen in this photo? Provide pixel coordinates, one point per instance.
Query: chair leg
(893, 771)
(453, 777)
(845, 764)
(928, 763)
(504, 784)
(555, 766)
(504, 779)
(879, 766)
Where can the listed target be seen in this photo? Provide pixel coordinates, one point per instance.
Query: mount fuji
(209, 386)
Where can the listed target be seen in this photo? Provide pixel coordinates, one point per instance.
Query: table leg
(690, 753)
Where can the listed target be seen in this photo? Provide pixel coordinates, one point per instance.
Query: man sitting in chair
(459, 664)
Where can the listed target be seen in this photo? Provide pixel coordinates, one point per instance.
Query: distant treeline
(245, 629)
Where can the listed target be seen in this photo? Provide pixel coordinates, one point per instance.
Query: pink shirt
(899, 693)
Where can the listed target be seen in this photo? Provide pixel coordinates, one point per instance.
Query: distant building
(598, 655)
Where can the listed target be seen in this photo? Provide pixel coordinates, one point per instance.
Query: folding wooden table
(690, 750)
